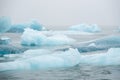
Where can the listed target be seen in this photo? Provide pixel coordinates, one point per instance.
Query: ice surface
(36, 26)
(34, 38)
(43, 60)
(85, 28)
(99, 44)
(4, 40)
(10, 49)
(5, 24)
(19, 28)
(112, 57)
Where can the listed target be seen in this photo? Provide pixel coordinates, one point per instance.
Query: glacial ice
(10, 49)
(19, 28)
(93, 28)
(5, 24)
(34, 38)
(36, 26)
(44, 60)
(105, 43)
(112, 57)
(4, 40)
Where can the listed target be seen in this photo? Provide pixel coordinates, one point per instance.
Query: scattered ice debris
(34, 38)
(5, 24)
(93, 28)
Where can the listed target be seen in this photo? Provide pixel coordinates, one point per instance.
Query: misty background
(57, 14)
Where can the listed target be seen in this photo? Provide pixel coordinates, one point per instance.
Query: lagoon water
(78, 72)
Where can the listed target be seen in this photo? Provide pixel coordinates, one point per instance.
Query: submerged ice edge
(45, 59)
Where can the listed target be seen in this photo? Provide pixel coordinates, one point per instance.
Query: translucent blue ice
(36, 26)
(5, 24)
(10, 49)
(35, 38)
(19, 28)
(4, 40)
(43, 60)
(86, 28)
(112, 57)
(99, 44)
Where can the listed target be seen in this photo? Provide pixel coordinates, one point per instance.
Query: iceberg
(93, 28)
(4, 40)
(5, 24)
(10, 49)
(47, 59)
(36, 26)
(112, 57)
(104, 43)
(19, 28)
(59, 59)
(34, 38)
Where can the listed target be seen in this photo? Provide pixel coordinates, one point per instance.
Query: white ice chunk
(48, 61)
(112, 57)
(85, 28)
(61, 59)
(35, 38)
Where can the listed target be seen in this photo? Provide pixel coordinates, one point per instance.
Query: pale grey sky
(63, 12)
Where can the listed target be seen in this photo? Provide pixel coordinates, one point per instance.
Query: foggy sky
(62, 12)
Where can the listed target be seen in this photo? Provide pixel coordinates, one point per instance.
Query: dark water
(78, 72)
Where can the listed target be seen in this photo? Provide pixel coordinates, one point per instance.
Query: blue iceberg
(47, 59)
(59, 59)
(19, 28)
(5, 24)
(112, 57)
(36, 26)
(99, 44)
(93, 28)
(35, 38)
